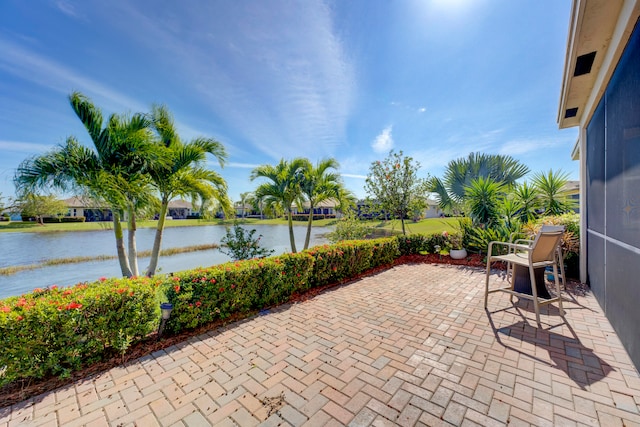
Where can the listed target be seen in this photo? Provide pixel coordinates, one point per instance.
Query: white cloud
(383, 142)
(422, 110)
(38, 69)
(67, 8)
(522, 146)
(241, 165)
(351, 175)
(287, 84)
(24, 147)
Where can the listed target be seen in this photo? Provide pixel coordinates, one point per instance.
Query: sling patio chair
(541, 252)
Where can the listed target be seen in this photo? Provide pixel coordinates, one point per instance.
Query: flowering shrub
(54, 331)
(417, 243)
(203, 295)
(349, 258)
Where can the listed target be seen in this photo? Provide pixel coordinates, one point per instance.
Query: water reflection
(32, 248)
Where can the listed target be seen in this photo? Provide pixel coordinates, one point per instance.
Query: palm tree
(244, 199)
(319, 184)
(553, 196)
(110, 172)
(460, 172)
(283, 188)
(180, 171)
(527, 199)
(483, 195)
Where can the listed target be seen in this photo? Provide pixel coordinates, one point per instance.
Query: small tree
(37, 206)
(349, 227)
(241, 244)
(395, 186)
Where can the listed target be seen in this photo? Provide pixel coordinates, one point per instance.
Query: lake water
(33, 248)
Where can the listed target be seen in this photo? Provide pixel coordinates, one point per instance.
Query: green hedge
(203, 295)
(57, 330)
(54, 331)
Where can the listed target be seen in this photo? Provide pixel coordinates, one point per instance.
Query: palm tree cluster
(137, 162)
(486, 187)
(299, 182)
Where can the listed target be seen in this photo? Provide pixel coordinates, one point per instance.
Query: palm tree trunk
(402, 222)
(157, 242)
(133, 251)
(292, 238)
(122, 253)
(309, 222)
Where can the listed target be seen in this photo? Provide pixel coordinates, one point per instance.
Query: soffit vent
(570, 112)
(584, 64)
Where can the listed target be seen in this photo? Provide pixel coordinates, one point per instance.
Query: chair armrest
(511, 246)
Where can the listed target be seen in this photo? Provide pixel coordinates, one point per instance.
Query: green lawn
(106, 225)
(425, 226)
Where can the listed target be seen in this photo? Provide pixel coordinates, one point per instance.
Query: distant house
(96, 211)
(433, 209)
(327, 207)
(179, 209)
(245, 210)
(88, 208)
(573, 190)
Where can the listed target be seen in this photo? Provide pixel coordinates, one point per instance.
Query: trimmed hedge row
(204, 295)
(59, 330)
(55, 331)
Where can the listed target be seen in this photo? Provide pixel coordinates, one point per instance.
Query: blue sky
(276, 79)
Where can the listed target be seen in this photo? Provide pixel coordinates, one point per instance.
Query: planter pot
(458, 253)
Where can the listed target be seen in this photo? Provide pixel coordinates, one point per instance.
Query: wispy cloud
(45, 72)
(67, 8)
(384, 141)
(522, 146)
(351, 175)
(286, 84)
(241, 165)
(24, 147)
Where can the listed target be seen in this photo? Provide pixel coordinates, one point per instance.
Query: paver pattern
(409, 346)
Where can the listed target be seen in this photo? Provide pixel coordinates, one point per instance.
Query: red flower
(102, 279)
(175, 278)
(5, 309)
(52, 287)
(19, 318)
(233, 286)
(67, 292)
(212, 280)
(73, 305)
(38, 290)
(177, 288)
(121, 290)
(198, 303)
(221, 289)
(131, 293)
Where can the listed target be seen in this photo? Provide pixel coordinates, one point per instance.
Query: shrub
(242, 245)
(349, 227)
(73, 219)
(204, 295)
(334, 263)
(54, 331)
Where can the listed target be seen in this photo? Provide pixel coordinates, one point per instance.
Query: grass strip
(7, 271)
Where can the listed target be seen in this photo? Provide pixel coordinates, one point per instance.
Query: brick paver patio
(409, 346)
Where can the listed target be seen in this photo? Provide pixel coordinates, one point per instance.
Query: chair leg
(555, 274)
(534, 291)
(486, 281)
(561, 263)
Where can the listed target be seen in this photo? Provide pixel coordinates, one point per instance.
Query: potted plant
(456, 250)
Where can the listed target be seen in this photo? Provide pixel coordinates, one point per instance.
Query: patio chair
(541, 252)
